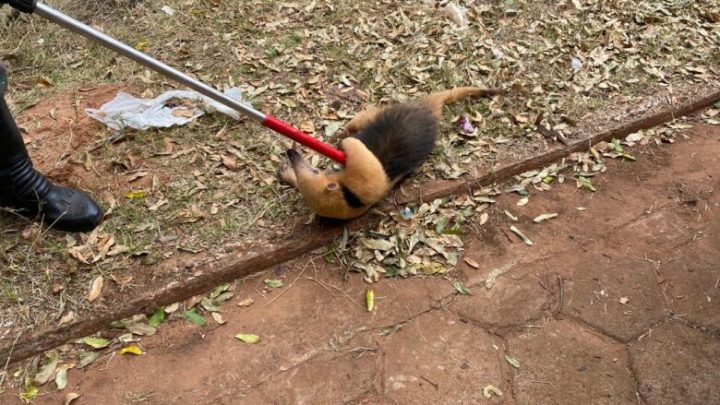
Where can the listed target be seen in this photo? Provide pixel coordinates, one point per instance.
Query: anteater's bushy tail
(436, 101)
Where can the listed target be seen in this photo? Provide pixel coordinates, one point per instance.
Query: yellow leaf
(247, 338)
(30, 390)
(136, 194)
(30, 393)
(132, 349)
(370, 300)
(44, 81)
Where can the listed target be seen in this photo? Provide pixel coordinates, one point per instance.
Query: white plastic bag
(127, 111)
(452, 9)
(457, 13)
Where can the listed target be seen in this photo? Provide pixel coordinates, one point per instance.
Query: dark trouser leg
(30, 193)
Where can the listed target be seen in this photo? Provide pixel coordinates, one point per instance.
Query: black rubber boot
(29, 193)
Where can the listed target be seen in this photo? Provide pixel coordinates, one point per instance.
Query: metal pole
(266, 120)
(145, 60)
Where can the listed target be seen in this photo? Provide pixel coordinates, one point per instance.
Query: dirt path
(617, 302)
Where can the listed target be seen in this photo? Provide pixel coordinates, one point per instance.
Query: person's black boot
(31, 194)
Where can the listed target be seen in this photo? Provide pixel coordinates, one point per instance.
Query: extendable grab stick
(277, 125)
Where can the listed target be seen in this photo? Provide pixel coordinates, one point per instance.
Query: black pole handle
(26, 6)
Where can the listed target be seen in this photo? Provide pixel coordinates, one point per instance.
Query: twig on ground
(290, 285)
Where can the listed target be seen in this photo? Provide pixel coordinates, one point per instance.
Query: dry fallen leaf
(192, 301)
(512, 360)
(61, 378)
(544, 217)
(218, 318)
(70, 397)
(472, 263)
(47, 370)
(44, 81)
(491, 390)
(307, 127)
(491, 278)
(246, 302)
(96, 288)
(80, 253)
(230, 162)
(140, 328)
(247, 338)
(484, 218)
(67, 318)
(460, 287)
(522, 236)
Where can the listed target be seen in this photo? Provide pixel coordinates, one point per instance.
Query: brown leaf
(136, 176)
(31, 231)
(118, 249)
(168, 145)
(44, 81)
(192, 301)
(122, 280)
(246, 302)
(69, 317)
(80, 253)
(69, 397)
(308, 127)
(484, 218)
(96, 288)
(229, 161)
(218, 318)
(472, 263)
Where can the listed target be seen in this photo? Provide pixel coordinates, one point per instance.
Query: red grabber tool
(277, 125)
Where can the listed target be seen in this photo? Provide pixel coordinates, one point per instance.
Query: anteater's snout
(294, 156)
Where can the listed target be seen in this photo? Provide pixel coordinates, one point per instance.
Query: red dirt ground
(618, 303)
(57, 128)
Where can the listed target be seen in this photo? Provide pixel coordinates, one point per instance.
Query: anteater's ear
(332, 186)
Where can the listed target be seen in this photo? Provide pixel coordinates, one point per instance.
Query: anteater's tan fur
(382, 145)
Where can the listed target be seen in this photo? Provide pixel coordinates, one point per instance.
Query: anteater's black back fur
(401, 137)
